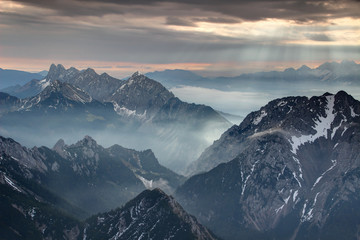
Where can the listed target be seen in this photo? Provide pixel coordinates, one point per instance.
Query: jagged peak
(137, 74)
(67, 90)
(87, 141)
(90, 71)
(60, 144)
(72, 69)
(54, 68)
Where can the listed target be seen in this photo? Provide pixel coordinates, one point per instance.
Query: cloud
(319, 37)
(179, 22)
(298, 10)
(217, 19)
(233, 102)
(159, 32)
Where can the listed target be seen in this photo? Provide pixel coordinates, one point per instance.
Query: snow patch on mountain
(123, 111)
(11, 183)
(322, 175)
(260, 118)
(247, 178)
(353, 114)
(44, 83)
(322, 125)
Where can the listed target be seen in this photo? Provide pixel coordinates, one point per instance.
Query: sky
(211, 38)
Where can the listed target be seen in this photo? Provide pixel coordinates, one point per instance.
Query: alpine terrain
(30, 211)
(91, 178)
(138, 113)
(151, 215)
(289, 171)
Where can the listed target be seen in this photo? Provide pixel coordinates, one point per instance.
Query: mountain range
(345, 72)
(12, 78)
(90, 177)
(288, 171)
(329, 73)
(151, 215)
(138, 113)
(50, 194)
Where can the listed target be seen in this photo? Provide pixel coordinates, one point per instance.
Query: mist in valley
(175, 145)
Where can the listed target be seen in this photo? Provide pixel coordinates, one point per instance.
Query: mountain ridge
(288, 170)
(135, 107)
(327, 73)
(153, 215)
(105, 177)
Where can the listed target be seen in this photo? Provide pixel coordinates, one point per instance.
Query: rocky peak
(298, 118)
(136, 74)
(142, 95)
(142, 79)
(89, 72)
(55, 72)
(59, 147)
(58, 72)
(24, 156)
(60, 144)
(100, 87)
(287, 162)
(87, 141)
(57, 95)
(67, 90)
(152, 214)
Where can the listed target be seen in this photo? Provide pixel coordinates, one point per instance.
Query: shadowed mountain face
(138, 113)
(288, 171)
(88, 176)
(40, 189)
(8, 103)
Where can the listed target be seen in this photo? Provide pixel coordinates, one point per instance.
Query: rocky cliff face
(151, 215)
(286, 172)
(8, 103)
(141, 95)
(97, 86)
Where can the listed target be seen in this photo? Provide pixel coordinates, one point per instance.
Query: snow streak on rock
(322, 125)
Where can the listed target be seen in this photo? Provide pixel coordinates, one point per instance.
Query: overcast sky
(211, 37)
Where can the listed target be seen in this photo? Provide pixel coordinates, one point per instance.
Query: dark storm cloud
(297, 10)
